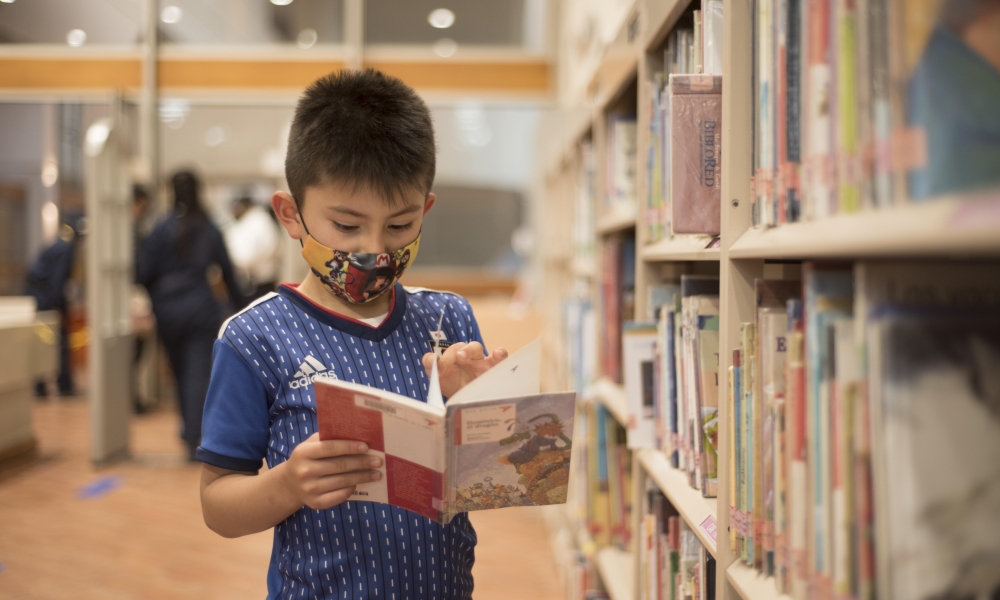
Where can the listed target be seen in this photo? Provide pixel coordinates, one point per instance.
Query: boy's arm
(319, 474)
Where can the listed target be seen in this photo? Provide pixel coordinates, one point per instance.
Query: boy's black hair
(361, 128)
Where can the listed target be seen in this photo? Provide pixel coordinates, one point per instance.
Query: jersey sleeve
(236, 423)
(468, 328)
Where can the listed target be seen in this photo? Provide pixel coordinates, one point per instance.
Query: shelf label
(708, 526)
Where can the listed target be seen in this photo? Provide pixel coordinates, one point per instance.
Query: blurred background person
(174, 264)
(47, 283)
(253, 244)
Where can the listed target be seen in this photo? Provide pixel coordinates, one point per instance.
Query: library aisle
(135, 530)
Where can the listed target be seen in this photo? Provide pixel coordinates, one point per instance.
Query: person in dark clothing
(47, 284)
(173, 264)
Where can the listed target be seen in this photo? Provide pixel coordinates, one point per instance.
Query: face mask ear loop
(303, 221)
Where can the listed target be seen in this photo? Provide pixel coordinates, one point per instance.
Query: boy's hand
(460, 364)
(324, 473)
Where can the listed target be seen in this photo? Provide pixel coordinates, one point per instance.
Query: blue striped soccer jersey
(261, 404)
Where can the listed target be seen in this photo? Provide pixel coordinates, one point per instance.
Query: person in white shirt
(252, 241)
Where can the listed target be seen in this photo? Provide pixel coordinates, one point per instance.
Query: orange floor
(145, 538)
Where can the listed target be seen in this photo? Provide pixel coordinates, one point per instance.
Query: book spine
(740, 473)
(797, 479)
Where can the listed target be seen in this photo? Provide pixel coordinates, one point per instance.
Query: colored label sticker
(709, 527)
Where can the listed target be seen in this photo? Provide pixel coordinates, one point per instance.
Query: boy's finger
(344, 480)
(428, 363)
(498, 355)
(330, 448)
(346, 464)
(471, 352)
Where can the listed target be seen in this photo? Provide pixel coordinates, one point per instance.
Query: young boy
(360, 165)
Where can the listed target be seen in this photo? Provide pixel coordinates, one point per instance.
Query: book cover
(738, 520)
(708, 396)
(436, 456)
(771, 299)
(798, 485)
(939, 503)
(942, 286)
(748, 347)
(818, 104)
(846, 363)
(828, 295)
(733, 456)
(639, 355)
(696, 153)
(699, 295)
(793, 110)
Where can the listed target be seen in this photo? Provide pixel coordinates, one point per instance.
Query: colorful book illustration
(497, 443)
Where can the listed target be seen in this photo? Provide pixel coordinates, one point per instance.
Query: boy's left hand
(460, 364)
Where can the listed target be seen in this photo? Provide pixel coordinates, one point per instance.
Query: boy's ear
(288, 214)
(430, 202)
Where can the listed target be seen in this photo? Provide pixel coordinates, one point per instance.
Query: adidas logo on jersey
(309, 370)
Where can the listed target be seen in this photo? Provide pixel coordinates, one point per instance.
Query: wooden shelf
(615, 568)
(612, 396)
(967, 225)
(619, 220)
(681, 247)
(662, 17)
(750, 584)
(700, 513)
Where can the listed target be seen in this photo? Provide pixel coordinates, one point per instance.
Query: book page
(407, 434)
(517, 375)
(510, 452)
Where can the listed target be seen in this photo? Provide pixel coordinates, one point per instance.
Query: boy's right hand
(324, 473)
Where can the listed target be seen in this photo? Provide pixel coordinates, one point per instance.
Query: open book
(497, 443)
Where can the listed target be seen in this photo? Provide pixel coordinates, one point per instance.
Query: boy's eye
(345, 228)
(403, 227)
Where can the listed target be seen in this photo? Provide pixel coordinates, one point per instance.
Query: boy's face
(353, 220)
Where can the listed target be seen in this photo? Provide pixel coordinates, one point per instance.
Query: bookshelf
(959, 226)
(615, 568)
(694, 508)
(751, 585)
(682, 248)
(612, 396)
(956, 226)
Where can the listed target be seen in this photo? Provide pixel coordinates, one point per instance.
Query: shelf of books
(963, 225)
(790, 319)
(690, 504)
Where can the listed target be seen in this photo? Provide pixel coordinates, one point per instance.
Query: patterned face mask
(358, 277)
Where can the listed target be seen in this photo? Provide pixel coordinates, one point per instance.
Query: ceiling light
(445, 47)
(76, 37)
(7, 1)
(281, 2)
(171, 14)
(50, 172)
(441, 18)
(307, 38)
(97, 135)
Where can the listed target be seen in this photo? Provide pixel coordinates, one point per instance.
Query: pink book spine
(696, 153)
